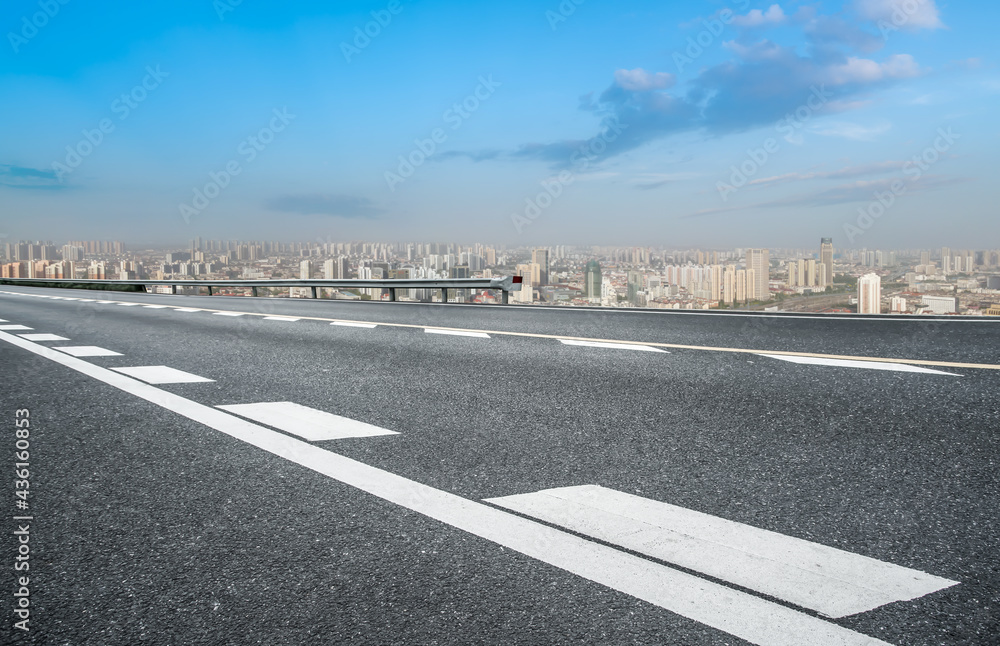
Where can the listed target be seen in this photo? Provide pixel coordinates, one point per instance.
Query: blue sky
(706, 124)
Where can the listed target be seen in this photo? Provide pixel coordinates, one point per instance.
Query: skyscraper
(592, 280)
(541, 258)
(759, 260)
(826, 259)
(870, 294)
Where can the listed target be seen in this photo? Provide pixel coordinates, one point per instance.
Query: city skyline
(264, 121)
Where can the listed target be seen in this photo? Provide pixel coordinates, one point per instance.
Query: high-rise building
(634, 287)
(305, 270)
(826, 259)
(811, 272)
(541, 258)
(870, 294)
(759, 260)
(592, 280)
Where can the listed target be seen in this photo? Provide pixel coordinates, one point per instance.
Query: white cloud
(757, 18)
(848, 130)
(639, 80)
(864, 70)
(910, 15)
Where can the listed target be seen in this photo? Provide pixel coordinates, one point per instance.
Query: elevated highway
(249, 470)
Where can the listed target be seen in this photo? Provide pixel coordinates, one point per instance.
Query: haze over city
(701, 124)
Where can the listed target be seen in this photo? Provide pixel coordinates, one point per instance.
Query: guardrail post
(313, 289)
(392, 294)
(505, 297)
(444, 294)
(173, 289)
(209, 290)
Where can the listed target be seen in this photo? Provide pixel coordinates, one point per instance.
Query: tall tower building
(826, 259)
(592, 280)
(759, 260)
(541, 258)
(870, 294)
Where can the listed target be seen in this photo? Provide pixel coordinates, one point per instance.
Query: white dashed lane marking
(43, 337)
(228, 313)
(613, 346)
(287, 319)
(353, 324)
(848, 363)
(15, 327)
(88, 351)
(161, 375)
(810, 575)
(155, 307)
(186, 309)
(477, 335)
(308, 423)
(129, 304)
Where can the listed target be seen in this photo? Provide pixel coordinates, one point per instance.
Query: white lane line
(831, 581)
(353, 324)
(477, 335)
(86, 300)
(309, 423)
(43, 337)
(849, 363)
(161, 375)
(106, 302)
(88, 351)
(229, 313)
(155, 307)
(738, 613)
(186, 309)
(4, 321)
(616, 346)
(70, 298)
(129, 304)
(288, 319)
(15, 327)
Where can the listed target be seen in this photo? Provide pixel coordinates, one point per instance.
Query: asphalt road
(148, 526)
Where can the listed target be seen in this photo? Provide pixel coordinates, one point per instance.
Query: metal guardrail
(505, 284)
